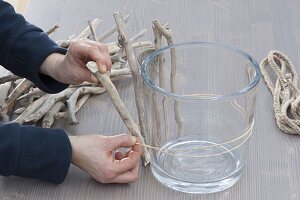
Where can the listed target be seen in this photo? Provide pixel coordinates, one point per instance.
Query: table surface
(256, 26)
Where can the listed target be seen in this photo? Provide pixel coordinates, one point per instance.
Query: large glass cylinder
(199, 109)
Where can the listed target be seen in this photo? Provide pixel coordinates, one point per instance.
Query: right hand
(94, 155)
(71, 68)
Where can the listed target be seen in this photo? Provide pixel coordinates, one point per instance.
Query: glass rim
(244, 90)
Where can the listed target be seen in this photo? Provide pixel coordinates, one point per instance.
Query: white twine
(166, 151)
(246, 134)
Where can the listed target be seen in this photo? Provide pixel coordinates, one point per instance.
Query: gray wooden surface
(256, 26)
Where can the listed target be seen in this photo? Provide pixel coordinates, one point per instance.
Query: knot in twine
(286, 95)
(122, 42)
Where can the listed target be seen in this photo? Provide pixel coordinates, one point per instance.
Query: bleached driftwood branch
(166, 32)
(124, 113)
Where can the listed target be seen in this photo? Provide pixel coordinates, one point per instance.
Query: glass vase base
(196, 166)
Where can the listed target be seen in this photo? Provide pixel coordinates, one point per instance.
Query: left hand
(94, 154)
(71, 68)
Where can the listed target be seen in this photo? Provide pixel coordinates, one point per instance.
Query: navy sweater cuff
(34, 152)
(33, 53)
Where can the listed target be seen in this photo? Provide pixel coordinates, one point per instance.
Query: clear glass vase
(199, 107)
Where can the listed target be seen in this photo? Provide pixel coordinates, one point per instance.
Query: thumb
(122, 140)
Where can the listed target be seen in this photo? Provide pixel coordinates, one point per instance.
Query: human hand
(94, 155)
(71, 68)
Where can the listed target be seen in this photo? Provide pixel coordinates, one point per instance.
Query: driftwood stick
(117, 65)
(34, 92)
(92, 66)
(136, 75)
(31, 109)
(161, 82)
(4, 89)
(169, 37)
(53, 29)
(87, 31)
(133, 39)
(124, 113)
(22, 87)
(114, 48)
(118, 57)
(138, 36)
(121, 77)
(92, 29)
(49, 103)
(71, 102)
(48, 120)
(7, 78)
(82, 101)
(119, 72)
(29, 97)
(110, 31)
(79, 104)
(61, 115)
(84, 34)
(20, 110)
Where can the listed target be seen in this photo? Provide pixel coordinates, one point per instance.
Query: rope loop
(286, 95)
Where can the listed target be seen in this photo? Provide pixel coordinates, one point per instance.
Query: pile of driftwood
(22, 102)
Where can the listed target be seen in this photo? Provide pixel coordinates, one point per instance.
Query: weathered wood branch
(48, 120)
(4, 91)
(34, 92)
(31, 109)
(92, 29)
(135, 70)
(79, 104)
(110, 31)
(53, 98)
(53, 29)
(7, 78)
(73, 99)
(22, 87)
(169, 37)
(124, 113)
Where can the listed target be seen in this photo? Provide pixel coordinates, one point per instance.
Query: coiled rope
(286, 95)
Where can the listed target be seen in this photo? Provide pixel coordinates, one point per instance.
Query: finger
(118, 155)
(88, 52)
(127, 177)
(127, 163)
(87, 75)
(104, 50)
(137, 147)
(122, 140)
(127, 153)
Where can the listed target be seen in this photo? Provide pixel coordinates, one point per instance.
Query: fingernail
(94, 79)
(103, 69)
(133, 139)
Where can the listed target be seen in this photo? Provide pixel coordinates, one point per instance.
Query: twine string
(166, 151)
(245, 135)
(286, 95)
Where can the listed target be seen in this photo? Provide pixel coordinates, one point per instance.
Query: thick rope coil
(286, 95)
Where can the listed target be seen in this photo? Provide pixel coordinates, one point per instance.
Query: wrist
(73, 141)
(50, 65)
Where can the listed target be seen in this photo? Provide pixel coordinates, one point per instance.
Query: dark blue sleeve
(24, 47)
(25, 150)
(34, 152)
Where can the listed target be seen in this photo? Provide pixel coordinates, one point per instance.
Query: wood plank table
(256, 26)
